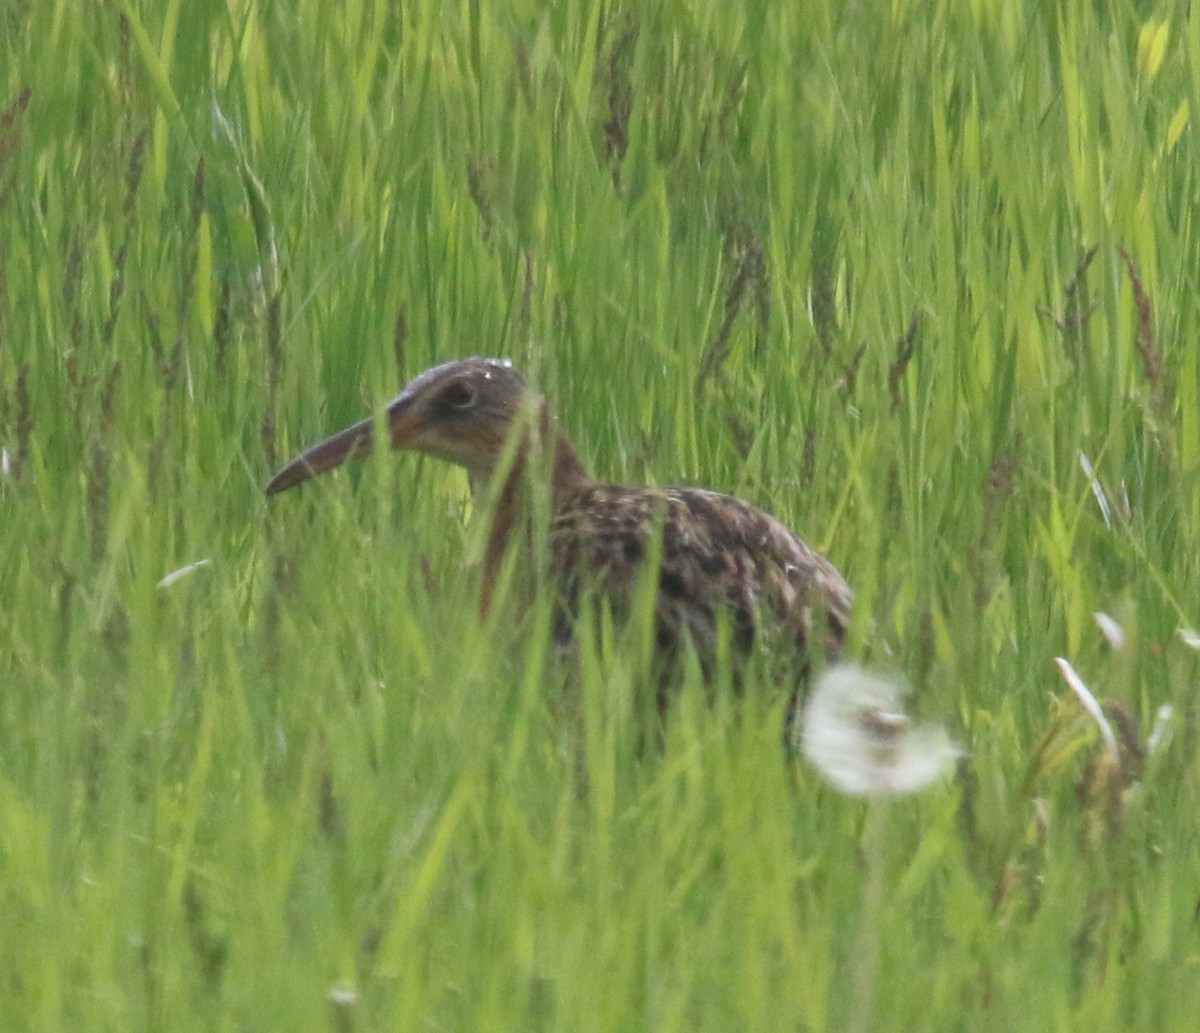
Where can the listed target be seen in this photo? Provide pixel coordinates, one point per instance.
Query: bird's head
(463, 412)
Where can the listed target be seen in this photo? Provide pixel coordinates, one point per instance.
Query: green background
(901, 273)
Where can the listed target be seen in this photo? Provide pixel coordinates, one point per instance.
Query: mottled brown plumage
(719, 556)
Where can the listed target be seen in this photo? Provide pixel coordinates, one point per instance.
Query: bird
(719, 559)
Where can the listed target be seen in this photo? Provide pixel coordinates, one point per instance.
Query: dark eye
(458, 396)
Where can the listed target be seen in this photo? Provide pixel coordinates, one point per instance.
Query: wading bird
(718, 558)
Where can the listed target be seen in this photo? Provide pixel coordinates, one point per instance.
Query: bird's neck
(567, 477)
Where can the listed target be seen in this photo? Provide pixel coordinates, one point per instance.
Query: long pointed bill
(351, 443)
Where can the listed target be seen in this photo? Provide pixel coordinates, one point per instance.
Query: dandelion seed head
(855, 732)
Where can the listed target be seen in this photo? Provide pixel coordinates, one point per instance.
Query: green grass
(229, 228)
